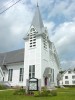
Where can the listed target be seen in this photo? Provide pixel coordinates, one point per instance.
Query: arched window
(32, 38)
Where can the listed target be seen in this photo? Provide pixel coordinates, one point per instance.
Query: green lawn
(63, 94)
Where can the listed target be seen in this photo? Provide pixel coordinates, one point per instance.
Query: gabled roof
(67, 71)
(12, 57)
(37, 20)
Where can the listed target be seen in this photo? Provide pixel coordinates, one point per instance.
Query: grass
(63, 94)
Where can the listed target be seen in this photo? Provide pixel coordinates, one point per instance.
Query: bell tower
(37, 51)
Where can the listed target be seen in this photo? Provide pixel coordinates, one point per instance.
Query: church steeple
(37, 4)
(37, 23)
(37, 20)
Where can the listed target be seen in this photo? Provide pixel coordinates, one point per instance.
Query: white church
(38, 59)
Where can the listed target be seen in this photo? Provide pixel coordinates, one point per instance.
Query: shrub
(44, 88)
(45, 92)
(36, 93)
(2, 87)
(53, 93)
(30, 92)
(19, 91)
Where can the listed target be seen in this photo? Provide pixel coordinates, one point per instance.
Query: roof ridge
(12, 51)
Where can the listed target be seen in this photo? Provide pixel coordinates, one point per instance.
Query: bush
(44, 88)
(36, 93)
(30, 92)
(45, 92)
(2, 87)
(19, 91)
(53, 93)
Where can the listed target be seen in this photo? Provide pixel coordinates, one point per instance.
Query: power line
(7, 3)
(10, 7)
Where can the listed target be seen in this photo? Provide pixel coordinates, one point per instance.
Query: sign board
(33, 84)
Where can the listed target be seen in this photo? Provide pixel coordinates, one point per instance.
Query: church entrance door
(46, 80)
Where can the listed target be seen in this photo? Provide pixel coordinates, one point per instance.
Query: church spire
(37, 4)
(37, 20)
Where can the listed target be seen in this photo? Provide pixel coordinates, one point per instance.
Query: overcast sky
(58, 16)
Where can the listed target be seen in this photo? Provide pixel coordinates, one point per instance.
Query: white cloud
(58, 8)
(64, 39)
(14, 25)
(50, 26)
(41, 3)
(68, 64)
(64, 7)
(64, 36)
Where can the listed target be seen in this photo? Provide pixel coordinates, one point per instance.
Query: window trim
(73, 82)
(66, 81)
(32, 37)
(66, 77)
(73, 76)
(31, 71)
(10, 75)
(21, 74)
